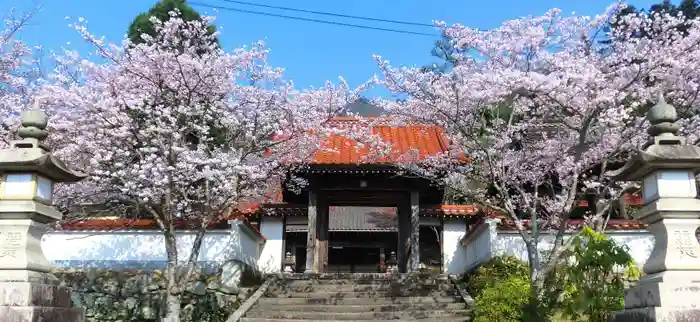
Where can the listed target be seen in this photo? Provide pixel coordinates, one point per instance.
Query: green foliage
(502, 301)
(594, 279)
(588, 286)
(496, 269)
(161, 10)
(446, 53)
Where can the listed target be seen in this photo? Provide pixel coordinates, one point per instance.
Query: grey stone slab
(347, 295)
(360, 301)
(40, 314)
(389, 315)
(364, 287)
(34, 294)
(362, 308)
(440, 319)
(657, 314)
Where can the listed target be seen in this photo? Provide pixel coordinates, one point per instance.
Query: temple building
(356, 215)
(364, 216)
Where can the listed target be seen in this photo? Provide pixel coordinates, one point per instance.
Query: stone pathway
(360, 297)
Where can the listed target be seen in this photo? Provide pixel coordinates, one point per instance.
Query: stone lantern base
(657, 314)
(28, 291)
(37, 302)
(670, 296)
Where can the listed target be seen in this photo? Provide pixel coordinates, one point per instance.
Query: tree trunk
(533, 311)
(172, 298)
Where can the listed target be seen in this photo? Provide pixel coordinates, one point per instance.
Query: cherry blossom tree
(542, 108)
(182, 132)
(17, 71)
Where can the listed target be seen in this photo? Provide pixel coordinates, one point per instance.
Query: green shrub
(594, 279)
(496, 269)
(502, 301)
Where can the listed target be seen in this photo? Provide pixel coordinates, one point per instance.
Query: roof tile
(427, 140)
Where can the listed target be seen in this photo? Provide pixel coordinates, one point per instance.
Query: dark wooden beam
(415, 231)
(311, 235)
(367, 182)
(322, 234)
(404, 243)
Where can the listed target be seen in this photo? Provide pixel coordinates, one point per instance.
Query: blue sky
(311, 53)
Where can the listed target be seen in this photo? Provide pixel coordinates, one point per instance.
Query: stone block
(657, 314)
(20, 247)
(34, 294)
(671, 289)
(40, 314)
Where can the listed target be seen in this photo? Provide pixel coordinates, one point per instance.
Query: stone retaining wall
(132, 295)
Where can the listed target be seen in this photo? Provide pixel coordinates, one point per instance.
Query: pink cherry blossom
(560, 103)
(16, 71)
(183, 131)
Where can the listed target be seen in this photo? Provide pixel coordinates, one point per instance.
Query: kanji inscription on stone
(685, 243)
(11, 244)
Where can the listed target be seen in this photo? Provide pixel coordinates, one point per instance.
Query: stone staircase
(360, 297)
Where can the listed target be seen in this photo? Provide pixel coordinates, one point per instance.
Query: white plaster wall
(270, 260)
(146, 249)
(640, 244)
(454, 255)
(479, 245)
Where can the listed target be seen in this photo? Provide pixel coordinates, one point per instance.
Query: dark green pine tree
(446, 54)
(689, 8)
(161, 10)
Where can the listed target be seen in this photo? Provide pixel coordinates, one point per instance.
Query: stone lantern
(28, 172)
(289, 263)
(667, 166)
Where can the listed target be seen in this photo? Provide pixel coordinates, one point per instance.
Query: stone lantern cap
(665, 151)
(30, 155)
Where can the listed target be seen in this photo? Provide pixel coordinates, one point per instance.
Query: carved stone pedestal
(658, 314)
(28, 291)
(672, 287)
(665, 296)
(37, 302)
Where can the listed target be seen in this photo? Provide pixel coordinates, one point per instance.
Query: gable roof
(426, 140)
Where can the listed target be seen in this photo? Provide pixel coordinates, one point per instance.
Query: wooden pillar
(311, 234)
(404, 244)
(322, 235)
(382, 260)
(415, 230)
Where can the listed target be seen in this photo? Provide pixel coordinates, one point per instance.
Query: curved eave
(37, 160)
(657, 157)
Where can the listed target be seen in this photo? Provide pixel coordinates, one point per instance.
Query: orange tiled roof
(630, 200)
(466, 210)
(427, 140)
(104, 224)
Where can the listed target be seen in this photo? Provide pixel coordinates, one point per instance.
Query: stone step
(361, 308)
(391, 315)
(269, 301)
(363, 277)
(378, 293)
(440, 319)
(311, 287)
(364, 282)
